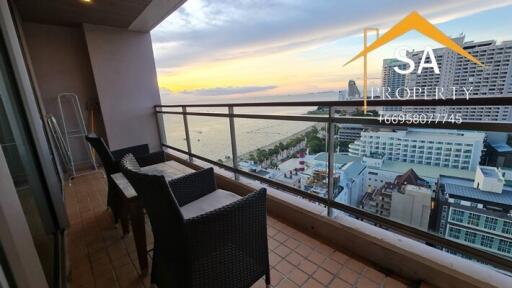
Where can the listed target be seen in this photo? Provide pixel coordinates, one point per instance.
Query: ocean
(210, 136)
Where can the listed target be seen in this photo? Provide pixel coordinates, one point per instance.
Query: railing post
(234, 156)
(160, 125)
(187, 134)
(330, 161)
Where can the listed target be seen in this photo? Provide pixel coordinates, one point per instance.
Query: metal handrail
(476, 101)
(425, 236)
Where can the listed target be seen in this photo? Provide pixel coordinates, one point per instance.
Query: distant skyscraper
(428, 79)
(353, 91)
(494, 79)
(391, 80)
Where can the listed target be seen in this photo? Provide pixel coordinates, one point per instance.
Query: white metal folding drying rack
(81, 132)
(60, 144)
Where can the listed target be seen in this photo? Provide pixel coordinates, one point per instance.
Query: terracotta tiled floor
(100, 257)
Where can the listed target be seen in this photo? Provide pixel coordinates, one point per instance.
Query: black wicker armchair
(204, 236)
(110, 161)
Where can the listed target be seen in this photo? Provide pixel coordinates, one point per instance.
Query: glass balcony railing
(383, 171)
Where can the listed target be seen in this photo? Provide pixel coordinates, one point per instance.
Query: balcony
(318, 236)
(101, 257)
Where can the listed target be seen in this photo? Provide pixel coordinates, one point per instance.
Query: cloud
(210, 30)
(222, 91)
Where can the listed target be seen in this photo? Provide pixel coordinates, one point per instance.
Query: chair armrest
(137, 150)
(151, 158)
(231, 238)
(193, 186)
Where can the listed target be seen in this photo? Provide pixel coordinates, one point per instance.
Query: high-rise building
(433, 147)
(492, 80)
(353, 91)
(393, 81)
(457, 73)
(476, 212)
(428, 79)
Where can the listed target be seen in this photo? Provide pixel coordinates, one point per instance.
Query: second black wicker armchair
(204, 236)
(110, 160)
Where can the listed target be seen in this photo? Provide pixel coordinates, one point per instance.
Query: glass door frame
(32, 134)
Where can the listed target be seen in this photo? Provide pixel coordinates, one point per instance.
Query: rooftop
(433, 134)
(490, 172)
(501, 147)
(425, 170)
(339, 158)
(464, 188)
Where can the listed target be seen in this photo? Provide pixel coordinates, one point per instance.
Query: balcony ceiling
(115, 13)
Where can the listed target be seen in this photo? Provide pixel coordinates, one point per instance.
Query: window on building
(457, 215)
(505, 246)
(470, 237)
(506, 228)
(487, 241)
(490, 223)
(454, 232)
(473, 219)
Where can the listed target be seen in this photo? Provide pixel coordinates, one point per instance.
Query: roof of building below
(338, 158)
(425, 170)
(464, 188)
(501, 147)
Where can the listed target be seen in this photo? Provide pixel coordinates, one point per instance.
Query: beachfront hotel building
(476, 212)
(432, 147)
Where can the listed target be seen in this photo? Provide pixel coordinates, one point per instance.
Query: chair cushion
(130, 162)
(209, 202)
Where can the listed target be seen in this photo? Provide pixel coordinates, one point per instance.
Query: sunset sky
(222, 51)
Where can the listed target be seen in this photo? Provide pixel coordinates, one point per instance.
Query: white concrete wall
(125, 75)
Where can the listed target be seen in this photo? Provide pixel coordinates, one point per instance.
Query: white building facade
(432, 147)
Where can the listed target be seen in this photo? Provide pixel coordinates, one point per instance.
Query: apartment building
(476, 212)
(427, 79)
(495, 78)
(349, 132)
(391, 80)
(432, 147)
(456, 71)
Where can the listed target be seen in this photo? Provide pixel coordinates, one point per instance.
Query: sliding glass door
(24, 166)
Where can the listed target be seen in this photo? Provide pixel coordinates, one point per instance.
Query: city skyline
(298, 68)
